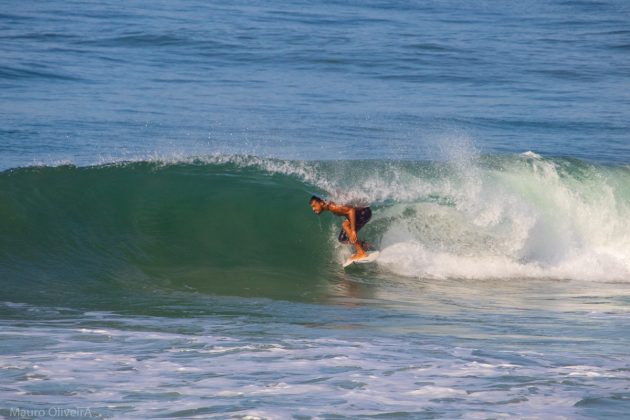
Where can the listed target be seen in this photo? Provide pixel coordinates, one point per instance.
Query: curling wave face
(233, 224)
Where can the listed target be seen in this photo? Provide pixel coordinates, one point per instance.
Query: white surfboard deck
(370, 256)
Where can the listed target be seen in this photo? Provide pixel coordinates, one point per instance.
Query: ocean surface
(158, 257)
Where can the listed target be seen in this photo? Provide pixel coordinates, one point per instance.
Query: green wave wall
(214, 228)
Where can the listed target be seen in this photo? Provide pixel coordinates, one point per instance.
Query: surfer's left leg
(357, 244)
(363, 214)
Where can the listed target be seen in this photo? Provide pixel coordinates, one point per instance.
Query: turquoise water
(158, 257)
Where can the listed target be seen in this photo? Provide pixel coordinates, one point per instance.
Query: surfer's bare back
(356, 218)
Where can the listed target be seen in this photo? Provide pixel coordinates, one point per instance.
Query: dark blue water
(494, 140)
(91, 81)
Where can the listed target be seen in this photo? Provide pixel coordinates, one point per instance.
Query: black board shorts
(362, 216)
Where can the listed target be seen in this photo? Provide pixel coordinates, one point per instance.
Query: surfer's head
(317, 204)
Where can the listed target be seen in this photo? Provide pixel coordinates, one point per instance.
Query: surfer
(356, 218)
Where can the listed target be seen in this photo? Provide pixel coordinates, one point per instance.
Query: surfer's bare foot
(357, 256)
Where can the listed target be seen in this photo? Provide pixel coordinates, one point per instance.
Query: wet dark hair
(315, 198)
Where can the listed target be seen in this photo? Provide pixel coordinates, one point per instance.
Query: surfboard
(370, 256)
